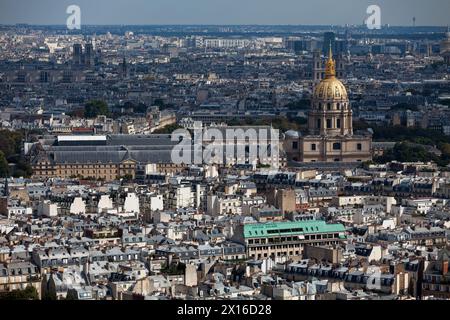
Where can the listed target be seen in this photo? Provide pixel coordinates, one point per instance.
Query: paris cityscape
(257, 160)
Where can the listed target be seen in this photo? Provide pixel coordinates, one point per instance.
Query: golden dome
(330, 88)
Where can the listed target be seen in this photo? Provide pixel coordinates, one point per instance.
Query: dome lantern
(330, 70)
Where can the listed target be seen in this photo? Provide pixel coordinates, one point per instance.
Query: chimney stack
(444, 267)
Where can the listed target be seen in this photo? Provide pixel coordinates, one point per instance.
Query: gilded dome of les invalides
(330, 88)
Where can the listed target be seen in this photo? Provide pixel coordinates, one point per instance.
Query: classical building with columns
(330, 126)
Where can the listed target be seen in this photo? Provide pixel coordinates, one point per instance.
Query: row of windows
(321, 75)
(86, 166)
(336, 146)
(89, 171)
(329, 124)
(293, 238)
(330, 106)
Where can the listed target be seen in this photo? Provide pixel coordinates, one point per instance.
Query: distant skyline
(225, 12)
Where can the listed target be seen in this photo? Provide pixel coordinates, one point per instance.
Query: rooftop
(290, 228)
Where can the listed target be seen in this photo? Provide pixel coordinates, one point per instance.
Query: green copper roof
(290, 228)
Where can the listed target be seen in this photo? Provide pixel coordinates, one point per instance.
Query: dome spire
(330, 70)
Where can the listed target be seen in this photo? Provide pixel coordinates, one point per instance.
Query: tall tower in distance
(89, 56)
(318, 70)
(125, 71)
(77, 55)
(328, 38)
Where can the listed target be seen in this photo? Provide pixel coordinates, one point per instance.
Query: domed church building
(331, 137)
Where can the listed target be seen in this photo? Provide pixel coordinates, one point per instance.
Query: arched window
(338, 106)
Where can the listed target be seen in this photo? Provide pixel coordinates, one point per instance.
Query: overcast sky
(306, 12)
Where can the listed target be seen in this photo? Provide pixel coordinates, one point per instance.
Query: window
(337, 146)
(329, 106)
(313, 147)
(329, 124)
(295, 145)
(338, 123)
(359, 146)
(338, 106)
(318, 123)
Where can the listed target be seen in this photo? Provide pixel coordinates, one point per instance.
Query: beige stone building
(330, 125)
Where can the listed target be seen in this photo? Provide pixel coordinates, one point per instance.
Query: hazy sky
(339, 12)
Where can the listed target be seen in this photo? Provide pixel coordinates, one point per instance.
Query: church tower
(330, 126)
(330, 111)
(318, 69)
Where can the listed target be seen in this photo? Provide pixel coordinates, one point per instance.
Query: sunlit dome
(330, 88)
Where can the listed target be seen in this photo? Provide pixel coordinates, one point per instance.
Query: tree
(29, 293)
(49, 294)
(77, 113)
(4, 168)
(445, 148)
(407, 152)
(10, 142)
(303, 104)
(96, 108)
